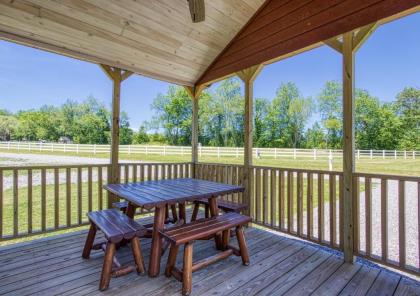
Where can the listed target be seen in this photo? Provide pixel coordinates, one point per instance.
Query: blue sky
(385, 64)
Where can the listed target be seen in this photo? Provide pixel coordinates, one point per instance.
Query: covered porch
(333, 215)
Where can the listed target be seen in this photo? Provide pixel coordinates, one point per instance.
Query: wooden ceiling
(155, 38)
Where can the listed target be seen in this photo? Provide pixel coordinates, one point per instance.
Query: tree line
(282, 121)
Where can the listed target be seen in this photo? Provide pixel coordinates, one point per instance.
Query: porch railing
(40, 199)
(303, 203)
(309, 204)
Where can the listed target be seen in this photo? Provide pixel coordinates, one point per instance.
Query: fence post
(77, 149)
(414, 154)
(129, 149)
(218, 152)
(383, 154)
(358, 154)
(52, 147)
(315, 154)
(147, 152)
(275, 153)
(29, 146)
(18, 146)
(40, 146)
(395, 154)
(94, 148)
(405, 154)
(164, 150)
(294, 153)
(8, 145)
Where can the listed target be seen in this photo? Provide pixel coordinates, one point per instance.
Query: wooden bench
(186, 235)
(116, 227)
(224, 205)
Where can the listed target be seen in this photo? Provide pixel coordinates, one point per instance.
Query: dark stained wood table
(158, 194)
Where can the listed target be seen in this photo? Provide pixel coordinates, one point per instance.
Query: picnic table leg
(131, 209)
(156, 248)
(214, 211)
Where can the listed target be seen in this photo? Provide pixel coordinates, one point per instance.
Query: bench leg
(173, 252)
(182, 213)
(138, 257)
(242, 245)
(174, 213)
(107, 267)
(195, 211)
(187, 270)
(225, 239)
(206, 211)
(89, 241)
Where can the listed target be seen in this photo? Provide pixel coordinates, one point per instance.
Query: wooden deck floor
(279, 266)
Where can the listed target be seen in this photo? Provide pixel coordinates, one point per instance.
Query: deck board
(279, 266)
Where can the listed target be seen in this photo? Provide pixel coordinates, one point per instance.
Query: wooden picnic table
(158, 194)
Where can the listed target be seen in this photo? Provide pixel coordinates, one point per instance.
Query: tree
(141, 136)
(8, 125)
(126, 133)
(173, 114)
(261, 107)
(315, 137)
(287, 117)
(408, 108)
(330, 106)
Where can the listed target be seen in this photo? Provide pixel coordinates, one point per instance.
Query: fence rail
(219, 152)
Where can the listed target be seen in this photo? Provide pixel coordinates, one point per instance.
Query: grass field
(409, 167)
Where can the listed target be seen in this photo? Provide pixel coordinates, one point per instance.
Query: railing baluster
(265, 196)
(68, 196)
(309, 205)
(126, 173)
(320, 207)
(156, 172)
(258, 200)
(418, 222)
(401, 221)
(333, 206)
(1, 203)
(30, 201)
(341, 210)
(134, 168)
(175, 171)
(299, 189)
(56, 198)
(15, 202)
(384, 219)
(273, 202)
(356, 214)
(282, 199)
(170, 171)
(43, 200)
(90, 189)
(100, 195)
(368, 212)
(290, 201)
(149, 172)
(79, 195)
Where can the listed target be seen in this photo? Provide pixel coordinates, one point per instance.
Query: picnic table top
(158, 193)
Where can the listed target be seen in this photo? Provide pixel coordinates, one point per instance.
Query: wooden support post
(350, 43)
(194, 93)
(117, 76)
(248, 76)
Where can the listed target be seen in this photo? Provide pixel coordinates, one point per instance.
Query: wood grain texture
(54, 266)
(151, 38)
(283, 27)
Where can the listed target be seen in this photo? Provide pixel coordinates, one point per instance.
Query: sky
(385, 64)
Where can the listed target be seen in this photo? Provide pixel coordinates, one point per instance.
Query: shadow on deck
(279, 265)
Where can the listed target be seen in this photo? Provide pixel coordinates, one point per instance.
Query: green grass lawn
(410, 167)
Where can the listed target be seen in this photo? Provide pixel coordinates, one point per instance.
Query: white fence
(218, 152)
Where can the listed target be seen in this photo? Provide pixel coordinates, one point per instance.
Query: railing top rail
(388, 177)
(220, 164)
(74, 166)
(299, 170)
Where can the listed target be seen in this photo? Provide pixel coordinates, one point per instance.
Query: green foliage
(141, 137)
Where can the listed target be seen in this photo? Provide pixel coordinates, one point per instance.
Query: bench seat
(116, 227)
(186, 234)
